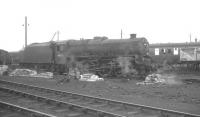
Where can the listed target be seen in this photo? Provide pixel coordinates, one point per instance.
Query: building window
(58, 48)
(169, 51)
(163, 50)
(156, 51)
(175, 51)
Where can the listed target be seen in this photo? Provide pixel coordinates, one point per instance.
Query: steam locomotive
(102, 56)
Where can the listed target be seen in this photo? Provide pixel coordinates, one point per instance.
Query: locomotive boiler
(101, 56)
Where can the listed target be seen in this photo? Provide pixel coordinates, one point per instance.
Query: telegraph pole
(25, 31)
(121, 33)
(58, 35)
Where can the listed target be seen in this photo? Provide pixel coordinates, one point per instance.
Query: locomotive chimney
(132, 36)
(195, 40)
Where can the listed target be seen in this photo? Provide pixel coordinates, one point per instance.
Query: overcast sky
(158, 20)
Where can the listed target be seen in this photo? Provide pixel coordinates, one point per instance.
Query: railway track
(47, 107)
(88, 104)
(11, 110)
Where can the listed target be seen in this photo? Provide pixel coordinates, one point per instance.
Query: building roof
(160, 45)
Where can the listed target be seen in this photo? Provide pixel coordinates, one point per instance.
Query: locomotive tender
(102, 56)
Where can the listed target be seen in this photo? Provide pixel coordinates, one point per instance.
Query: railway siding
(123, 108)
(50, 106)
(8, 109)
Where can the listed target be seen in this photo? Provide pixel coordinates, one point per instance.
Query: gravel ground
(180, 92)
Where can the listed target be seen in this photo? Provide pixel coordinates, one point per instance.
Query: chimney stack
(132, 36)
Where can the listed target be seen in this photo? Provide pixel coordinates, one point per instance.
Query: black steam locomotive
(102, 56)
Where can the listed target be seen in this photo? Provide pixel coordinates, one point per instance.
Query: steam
(166, 74)
(78, 67)
(126, 65)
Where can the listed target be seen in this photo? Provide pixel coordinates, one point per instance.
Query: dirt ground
(180, 92)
